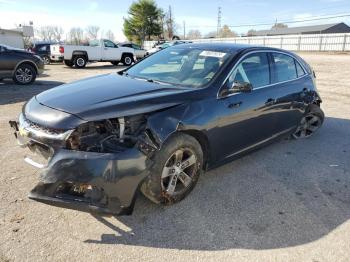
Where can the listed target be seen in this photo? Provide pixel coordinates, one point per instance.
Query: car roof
(225, 47)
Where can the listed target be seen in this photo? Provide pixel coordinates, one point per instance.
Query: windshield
(180, 66)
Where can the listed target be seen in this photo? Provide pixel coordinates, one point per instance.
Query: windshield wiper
(157, 82)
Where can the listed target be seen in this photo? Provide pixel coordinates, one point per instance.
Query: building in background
(15, 37)
(303, 30)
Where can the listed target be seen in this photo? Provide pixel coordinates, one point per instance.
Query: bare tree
(110, 35)
(194, 34)
(92, 31)
(46, 33)
(76, 35)
(57, 33)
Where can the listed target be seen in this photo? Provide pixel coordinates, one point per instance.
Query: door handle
(106, 48)
(270, 102)
(234, 105)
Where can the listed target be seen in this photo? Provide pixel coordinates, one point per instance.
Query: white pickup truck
(98, 51)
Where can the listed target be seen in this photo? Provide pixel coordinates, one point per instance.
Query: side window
(136, 47)
(284, 66)
(300, 70)
(43, 48)
(109, 44)
(254, 69)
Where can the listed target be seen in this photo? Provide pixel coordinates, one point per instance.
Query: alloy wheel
(128, 60)
(178, 171)
(46, 60)
(24, 75)
(309, 124)
(80, 61)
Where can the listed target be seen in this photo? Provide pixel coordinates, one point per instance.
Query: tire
(69, 63)
(127, 59)
(25, 74)
(46, 60)
(158, 187)
(80, 61)
(310, 123)
(115, 63)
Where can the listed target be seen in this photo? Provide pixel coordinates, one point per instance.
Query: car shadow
(10, 92)
(290, 193)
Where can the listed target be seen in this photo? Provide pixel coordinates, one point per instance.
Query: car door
(7, 62)
(110, 51)
(291, 86)
(246, 119)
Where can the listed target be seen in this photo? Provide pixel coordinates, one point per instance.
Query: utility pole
(219, 22)
(170, 23)
(184, 30)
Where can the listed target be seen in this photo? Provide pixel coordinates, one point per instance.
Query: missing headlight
(108, 136)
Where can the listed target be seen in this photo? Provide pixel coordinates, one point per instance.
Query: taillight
(61, 49)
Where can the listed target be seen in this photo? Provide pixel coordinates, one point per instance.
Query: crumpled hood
(110, 96)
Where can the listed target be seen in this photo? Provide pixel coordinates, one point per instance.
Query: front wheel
(177, 167)
(25, 74)
(310, 123)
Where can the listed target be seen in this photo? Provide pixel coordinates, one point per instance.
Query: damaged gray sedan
(157, 125)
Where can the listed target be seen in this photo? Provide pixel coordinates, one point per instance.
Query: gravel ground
(287, 202)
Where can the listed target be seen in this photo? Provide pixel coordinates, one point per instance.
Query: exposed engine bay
(107, 136)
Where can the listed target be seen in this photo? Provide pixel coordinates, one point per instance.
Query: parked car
(98, 51)
(20, 65)
(56, 53)
(140, 53)
(158, 124)
(164, 45)
(42, 50)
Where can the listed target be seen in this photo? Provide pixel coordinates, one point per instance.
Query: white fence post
(344, 43)
(320, 46)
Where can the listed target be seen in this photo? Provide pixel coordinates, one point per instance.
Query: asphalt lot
(287, 202)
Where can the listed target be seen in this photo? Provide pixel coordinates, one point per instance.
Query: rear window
(284, 66)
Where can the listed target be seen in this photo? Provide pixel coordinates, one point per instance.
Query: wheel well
(26, 63)
(80, 53)
(125, 54)
(203, 141)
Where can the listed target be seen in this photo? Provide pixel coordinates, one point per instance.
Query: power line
(284, 22)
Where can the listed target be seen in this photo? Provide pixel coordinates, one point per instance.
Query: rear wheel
(46, 60)
(80, 61)
(68, 63)
(177, 167)
(310, 123)
(25, 74)
(127, 60)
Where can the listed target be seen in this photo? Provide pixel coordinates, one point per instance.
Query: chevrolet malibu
(157, 125)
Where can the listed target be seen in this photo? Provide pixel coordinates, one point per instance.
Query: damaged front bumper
(106, 183)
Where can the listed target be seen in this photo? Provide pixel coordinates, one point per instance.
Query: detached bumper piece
(92, 182)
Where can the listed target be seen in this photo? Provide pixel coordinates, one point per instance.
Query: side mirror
(243, 87)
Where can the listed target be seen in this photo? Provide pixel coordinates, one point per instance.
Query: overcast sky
(201, 15)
